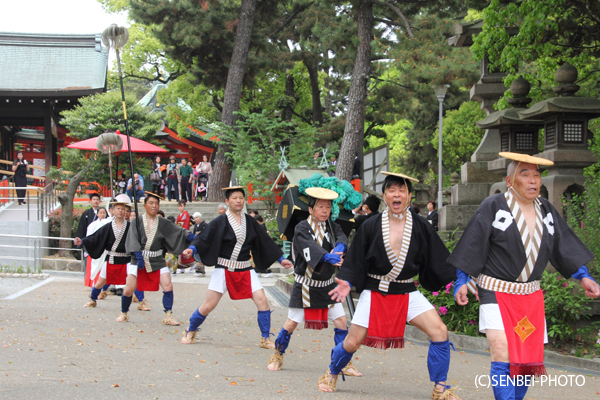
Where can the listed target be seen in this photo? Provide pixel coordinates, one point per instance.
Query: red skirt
(316, 318)
(239, 284)
(90, 281)
(148, 282)
(387, 320)
(524, 323)
(116, 274)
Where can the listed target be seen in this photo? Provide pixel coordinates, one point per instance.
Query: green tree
(460, 135)
(93, 116)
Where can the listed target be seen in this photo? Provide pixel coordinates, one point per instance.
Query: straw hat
(526, 158)
(154, 195)
(322, 193)
(399, 175)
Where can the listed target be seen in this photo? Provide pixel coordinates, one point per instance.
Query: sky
(56, 16)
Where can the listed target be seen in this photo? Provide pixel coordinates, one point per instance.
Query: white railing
(37, 248)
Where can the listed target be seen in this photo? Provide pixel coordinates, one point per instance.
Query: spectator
(186, 173)
(173, 179)
(20, 168)
(416, 209)
(222, 209)
(183, 219)
(197, 229)
(432, 214)
(88, 216)
(253, 214)
(122, 183)
(204, 169)
(139, 187)
(370, 208)
(156, 176)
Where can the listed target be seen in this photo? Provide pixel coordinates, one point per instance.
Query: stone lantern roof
(510, 116)
(566, 102)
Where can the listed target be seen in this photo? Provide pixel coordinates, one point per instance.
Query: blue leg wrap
(339, 335)
(139, 295)
(95, 293)
(264, 322)
(125, 303)
(339, 359)
(196, 320)
(502, 386)
(438, 360)
(105, 287)
(168, 300)
(283, 341)
(521, 387)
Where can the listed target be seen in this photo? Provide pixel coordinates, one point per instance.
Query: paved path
(53, 348)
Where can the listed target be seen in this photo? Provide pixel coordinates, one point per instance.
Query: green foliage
(256, 149)
(563, 307)
(395, 135)
(273, 229)
(460, 136)
(460, 319)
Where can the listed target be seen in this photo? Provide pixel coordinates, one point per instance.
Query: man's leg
(438, 357)
(500, 370)
(339, 334)
(96, 291)
(126, 297)
(130, 194)
(263, 318)
(341, 356)
(167, 287)
(198, 317)
(281, 344)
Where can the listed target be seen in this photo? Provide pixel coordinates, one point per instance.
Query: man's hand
(341, 291)
(188, 253)
(591, 288)
(77, 241)
(287, 264)
(461, 296)
(341, 258)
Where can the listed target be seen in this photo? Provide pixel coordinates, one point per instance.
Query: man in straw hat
(506, 247)
(388, 250)
(110, 238)
(149, 235)
(226, 243)
(318, 248)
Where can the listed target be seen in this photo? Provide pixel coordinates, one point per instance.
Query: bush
(54, 227)
(564, 307)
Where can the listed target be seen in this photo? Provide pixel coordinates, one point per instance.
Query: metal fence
(37, 247)
(46, 200)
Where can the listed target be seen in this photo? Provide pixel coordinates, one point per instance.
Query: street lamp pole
(440, 92)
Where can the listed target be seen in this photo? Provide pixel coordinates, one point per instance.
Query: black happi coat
(426, 257)
(218, 240)
(492, 245)
(103, 239)
(308, 252)
(87, 218)
(169, 237)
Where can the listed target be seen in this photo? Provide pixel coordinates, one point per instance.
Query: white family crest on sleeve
(307, 254)
(549, 222)
(503, 220)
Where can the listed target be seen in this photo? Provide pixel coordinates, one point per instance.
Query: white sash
(240, 234)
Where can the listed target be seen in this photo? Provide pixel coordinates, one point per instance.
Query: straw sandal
(266, 343)
(169, 320)
(329, 381)
(276, 360)
(123, 317)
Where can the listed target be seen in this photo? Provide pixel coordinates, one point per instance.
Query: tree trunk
(66, 221)
(288, 112)
(352, 143)
(313, 73)
(233, 91)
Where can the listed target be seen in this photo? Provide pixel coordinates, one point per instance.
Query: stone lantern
(565, 120)
(516, 135)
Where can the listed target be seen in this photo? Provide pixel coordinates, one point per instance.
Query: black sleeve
(97, 242)
(471, 251)
(83, 224)
(264, 250)
(435, 272)
(208, 243)
(353, 268)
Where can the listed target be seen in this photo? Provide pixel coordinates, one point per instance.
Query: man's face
(527, 181)
(181, 208)
(184, 162)
(430, 206)
(321, 211)
(132, 215)
(197, 220)
(236, 201)
(151, 206)
(221, 210)
(136, 177)
(95, 201)
(396, 197)
(119, 211)
(127, 213)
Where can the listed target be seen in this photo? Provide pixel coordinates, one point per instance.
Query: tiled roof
(51, 62)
